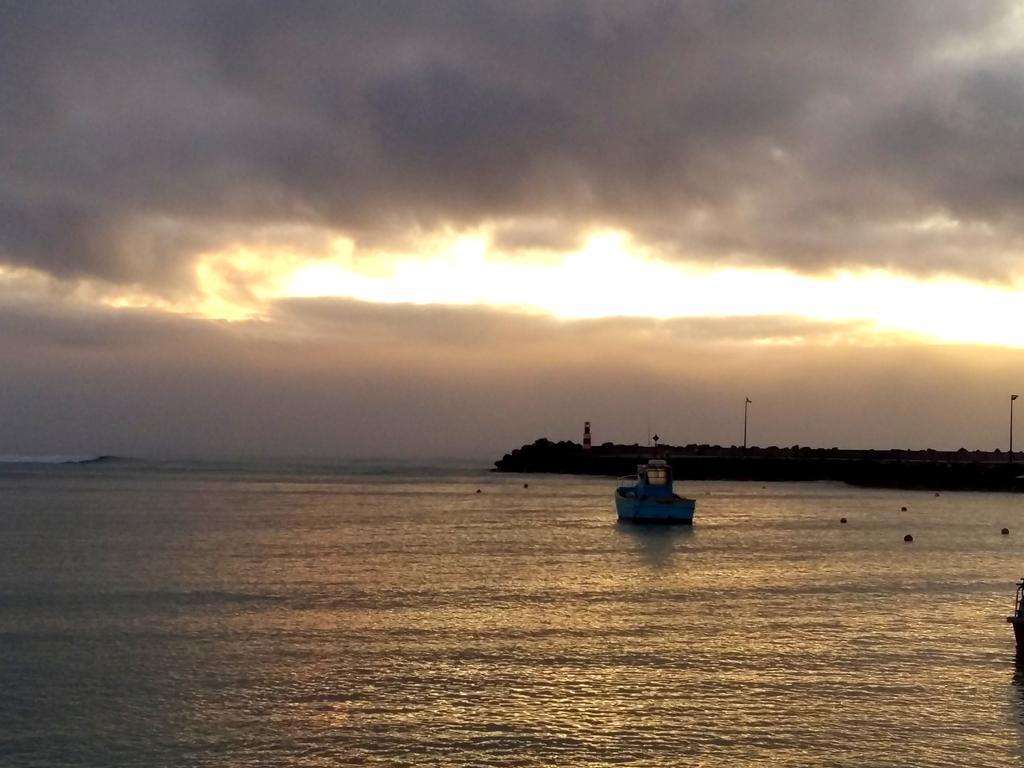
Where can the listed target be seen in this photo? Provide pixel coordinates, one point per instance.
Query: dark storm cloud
(811, 134)
(958, 139)
(534, 235)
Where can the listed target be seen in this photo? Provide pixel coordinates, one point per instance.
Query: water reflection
(1018, 685)
(656, 544)
(1017, 697)
(277, 623)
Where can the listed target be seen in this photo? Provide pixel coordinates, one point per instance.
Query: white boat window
(657, 476)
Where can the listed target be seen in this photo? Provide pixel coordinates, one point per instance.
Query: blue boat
(650, 499)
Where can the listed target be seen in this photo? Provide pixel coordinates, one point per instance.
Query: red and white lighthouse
(586, 435)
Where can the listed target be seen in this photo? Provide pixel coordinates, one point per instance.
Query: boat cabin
(654, 478)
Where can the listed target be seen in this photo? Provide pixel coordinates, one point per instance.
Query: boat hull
(674, 510)
(1018, 631)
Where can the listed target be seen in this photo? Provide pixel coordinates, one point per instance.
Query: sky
(416, 229)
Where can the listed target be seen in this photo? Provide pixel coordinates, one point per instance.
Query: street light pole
(1012, 398)
(747, 402)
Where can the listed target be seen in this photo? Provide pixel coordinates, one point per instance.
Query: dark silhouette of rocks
(892, 468)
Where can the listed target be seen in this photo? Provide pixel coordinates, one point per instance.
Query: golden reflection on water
(656, 545)
(763, 633)
(355, 620)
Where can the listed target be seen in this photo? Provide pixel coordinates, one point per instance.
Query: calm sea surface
(237, 615)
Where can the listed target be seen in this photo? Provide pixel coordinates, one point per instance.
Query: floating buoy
(478, 490)
(903, 509)
(908, 537)
(526, 485)
(1005, 531)
(842, 520)
(937, 493)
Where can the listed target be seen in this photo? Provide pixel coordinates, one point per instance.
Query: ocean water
(241, 615)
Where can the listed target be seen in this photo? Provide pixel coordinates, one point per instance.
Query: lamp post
(1012, 398)
(746, 404)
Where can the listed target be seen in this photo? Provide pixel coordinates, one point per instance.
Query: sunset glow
(610, 277)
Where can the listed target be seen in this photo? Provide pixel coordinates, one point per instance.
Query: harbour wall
(892, 468)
